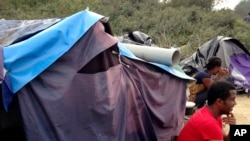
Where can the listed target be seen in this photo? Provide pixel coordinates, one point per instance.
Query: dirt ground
(242, 109)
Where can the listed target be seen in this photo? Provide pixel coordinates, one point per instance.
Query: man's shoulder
(247, 18)
(204, 117)
(202, 74)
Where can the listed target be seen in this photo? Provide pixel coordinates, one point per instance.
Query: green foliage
(243, 8)
(204, 4)
(189, 25)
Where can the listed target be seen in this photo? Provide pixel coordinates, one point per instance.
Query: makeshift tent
(72, 80)
(234, 56)
(138, 38)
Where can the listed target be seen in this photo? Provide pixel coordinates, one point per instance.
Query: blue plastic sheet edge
(43, 49)
(39, 52)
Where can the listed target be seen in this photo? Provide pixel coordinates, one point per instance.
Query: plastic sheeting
(39, 52)
(94, 92)
(100, 97)
(10, 30)
(234, 56)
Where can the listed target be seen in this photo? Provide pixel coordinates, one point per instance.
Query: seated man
(213, 67)
(206, 123)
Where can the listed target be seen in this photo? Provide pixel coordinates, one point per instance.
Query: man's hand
(229, 119)
(223, 72)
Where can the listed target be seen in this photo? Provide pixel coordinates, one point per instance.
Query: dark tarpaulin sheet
(10, 30)
(223, 47)
(93, 94)
(233, 54)
(11, 128)
(198, 59)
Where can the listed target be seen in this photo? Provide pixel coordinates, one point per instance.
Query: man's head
(222, 95)
(214, 65)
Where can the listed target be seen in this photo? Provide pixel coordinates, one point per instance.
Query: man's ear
(219, 101)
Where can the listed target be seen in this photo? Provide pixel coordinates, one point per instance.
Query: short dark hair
(220, 90)
(213, 62)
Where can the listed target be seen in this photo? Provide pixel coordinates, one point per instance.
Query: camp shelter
(138, 38)
(234, 56)
(72, 80)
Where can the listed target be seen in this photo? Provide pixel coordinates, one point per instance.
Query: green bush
(169, 26)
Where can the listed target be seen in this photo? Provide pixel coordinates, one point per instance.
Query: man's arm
(230, 119)
(208, 81)
(226, 136)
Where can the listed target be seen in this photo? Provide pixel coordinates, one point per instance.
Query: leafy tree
(242, 8)
(169, 25)
(204, 4)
